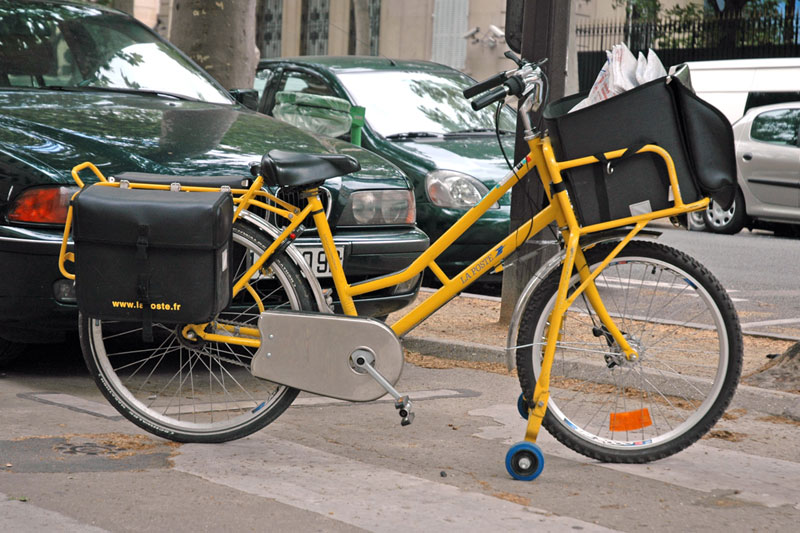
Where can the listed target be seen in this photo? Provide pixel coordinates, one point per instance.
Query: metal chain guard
(311, 352)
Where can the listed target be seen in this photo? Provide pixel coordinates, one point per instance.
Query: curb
(453, 349)
(771, 402)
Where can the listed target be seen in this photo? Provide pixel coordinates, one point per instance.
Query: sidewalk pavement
(468, 329)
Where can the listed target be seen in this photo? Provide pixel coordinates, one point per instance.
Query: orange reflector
(630, 421)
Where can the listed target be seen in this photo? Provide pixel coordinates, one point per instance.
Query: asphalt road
(70, 463)
(760, 271)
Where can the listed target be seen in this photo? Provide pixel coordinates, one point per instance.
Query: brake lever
(521, 62)
(513, 57)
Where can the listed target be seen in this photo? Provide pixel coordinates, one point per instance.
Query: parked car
(417, 118)
(768, 164)
(82, 83)
(735, 85)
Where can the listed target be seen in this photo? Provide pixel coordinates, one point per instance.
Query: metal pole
(545, 31)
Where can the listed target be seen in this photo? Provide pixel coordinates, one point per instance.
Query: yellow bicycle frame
(559, 210)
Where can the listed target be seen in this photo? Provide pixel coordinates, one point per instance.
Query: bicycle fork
(574, 259)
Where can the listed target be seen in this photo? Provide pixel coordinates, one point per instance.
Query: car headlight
(448, 188)
(45, 205)
(380, 207)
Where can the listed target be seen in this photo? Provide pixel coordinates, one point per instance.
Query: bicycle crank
(349, 358)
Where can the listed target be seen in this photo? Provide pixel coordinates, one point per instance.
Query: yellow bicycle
(627, 350)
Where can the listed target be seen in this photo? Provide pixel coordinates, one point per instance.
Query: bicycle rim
(203, 392)
(686, 334)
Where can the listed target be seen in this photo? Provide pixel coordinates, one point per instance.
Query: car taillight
(47, 205)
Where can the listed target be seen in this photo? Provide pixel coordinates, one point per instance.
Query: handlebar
(513, 86)
(495, 95)
(485, 85)
(527, 82)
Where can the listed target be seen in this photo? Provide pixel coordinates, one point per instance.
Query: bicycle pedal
(403, 406)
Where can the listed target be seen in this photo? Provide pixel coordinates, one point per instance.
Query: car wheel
(727, 221)
(697, 221)
(9, 351)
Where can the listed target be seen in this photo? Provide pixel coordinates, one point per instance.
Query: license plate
(315, 258)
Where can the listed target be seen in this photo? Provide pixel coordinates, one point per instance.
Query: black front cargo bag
(152, 256)
(663, 112)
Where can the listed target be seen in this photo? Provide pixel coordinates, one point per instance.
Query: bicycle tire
(204, 392)
(687, 334)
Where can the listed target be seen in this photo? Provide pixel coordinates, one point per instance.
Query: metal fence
(680, 39)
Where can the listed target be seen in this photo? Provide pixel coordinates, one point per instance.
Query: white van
(735, 85)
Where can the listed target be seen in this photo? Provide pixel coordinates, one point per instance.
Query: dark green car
(83, 83)
(417, 118)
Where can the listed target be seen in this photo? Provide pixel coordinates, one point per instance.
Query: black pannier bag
(152, 256)
(663, 112)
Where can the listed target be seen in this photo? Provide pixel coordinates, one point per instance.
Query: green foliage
(639, 9)
(652, 9)
(745, 23)
(687, 12)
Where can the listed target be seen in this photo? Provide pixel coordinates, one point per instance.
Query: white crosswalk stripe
(366, 496)
(16, 515)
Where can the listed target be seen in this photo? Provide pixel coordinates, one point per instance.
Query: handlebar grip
(485, 85)
(495, 95)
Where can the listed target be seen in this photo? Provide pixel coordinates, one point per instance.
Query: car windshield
(71, 47)
(417, 102)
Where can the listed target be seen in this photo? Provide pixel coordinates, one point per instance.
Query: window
(262, 79)
(302, 82)
(758, 99)
(35, 55)
(450, 18)
(73, 48)
(777, 127)
(269, 28)
(398, 102)
(314, 27)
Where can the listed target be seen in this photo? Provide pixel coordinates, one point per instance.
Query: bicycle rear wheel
(197, 392)
(686, 332)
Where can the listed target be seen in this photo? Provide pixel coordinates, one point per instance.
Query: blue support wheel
(524, 461)
(522, 407)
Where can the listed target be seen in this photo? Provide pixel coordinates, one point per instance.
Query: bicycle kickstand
(365, 361)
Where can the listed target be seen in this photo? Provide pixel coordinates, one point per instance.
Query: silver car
(768, 164)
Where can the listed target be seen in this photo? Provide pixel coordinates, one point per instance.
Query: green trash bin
(357, 116)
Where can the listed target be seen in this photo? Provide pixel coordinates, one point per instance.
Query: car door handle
(747, 157)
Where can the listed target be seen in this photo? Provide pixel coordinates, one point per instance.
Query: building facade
(464, 34)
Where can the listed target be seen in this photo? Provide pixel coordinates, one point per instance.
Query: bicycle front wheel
(198, 392)
(682, 324)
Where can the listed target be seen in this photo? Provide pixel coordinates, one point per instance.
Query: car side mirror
(246, 97)
(324, 115)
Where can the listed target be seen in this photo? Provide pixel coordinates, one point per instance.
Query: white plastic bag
(623, 69)
(617, 76)
(641, 67)
(649, 69)
(622, 72)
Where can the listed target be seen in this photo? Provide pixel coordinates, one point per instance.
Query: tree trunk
(361, 15)
(220, 37)
(123, 5)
